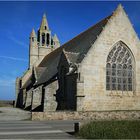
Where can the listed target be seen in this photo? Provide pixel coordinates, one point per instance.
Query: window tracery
(119, 69)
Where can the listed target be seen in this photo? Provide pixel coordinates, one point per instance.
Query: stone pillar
(24, 97)
(36, 97)
(28, 99)
(80, 96)
(17, 91)
(50, 103)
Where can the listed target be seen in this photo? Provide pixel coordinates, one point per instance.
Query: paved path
(15, 124)
(36, 130)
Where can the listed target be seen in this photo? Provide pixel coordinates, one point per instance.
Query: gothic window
(38, 36)
(48, 39)
(43, 38)
(32, 39)
(120, 69)
(52, 42)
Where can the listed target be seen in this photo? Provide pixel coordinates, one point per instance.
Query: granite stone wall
(37, 98)
(95, 97)
(50, 103)
(29, 99)
(89, 115)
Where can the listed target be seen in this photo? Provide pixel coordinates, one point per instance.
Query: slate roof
(27, 83)
(71, 57)
(38, 71)
(80, 44)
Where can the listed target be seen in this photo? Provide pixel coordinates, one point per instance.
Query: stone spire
(55, 38)
(33, 34)
(33, 39)
(56, 41)
(44, 23)
(33, 51)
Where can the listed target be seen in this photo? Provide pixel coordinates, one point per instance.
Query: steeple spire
(33, 34)
(44, 23)
(55, 38)
(56, 42)
(33, 39)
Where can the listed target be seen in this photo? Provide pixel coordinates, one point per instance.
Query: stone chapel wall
(93, 68)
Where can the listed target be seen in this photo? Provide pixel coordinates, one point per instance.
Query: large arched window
(120, 69)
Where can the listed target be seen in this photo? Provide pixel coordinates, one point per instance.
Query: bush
(111, 130)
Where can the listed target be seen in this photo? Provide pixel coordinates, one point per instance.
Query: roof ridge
(93, 26)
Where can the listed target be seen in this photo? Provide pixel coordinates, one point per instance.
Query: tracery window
(120, 69)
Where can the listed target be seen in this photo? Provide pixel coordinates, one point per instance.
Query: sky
(66, 19)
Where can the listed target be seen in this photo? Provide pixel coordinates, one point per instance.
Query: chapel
(98, 70)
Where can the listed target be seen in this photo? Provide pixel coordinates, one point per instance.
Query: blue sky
(66, 19)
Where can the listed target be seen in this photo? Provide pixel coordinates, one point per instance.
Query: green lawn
(111, 130)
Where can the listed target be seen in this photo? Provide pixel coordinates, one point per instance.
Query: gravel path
(10, 113)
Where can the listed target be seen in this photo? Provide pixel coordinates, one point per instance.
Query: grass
(111, 130)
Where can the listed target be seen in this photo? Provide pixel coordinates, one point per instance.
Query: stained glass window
(119, 69)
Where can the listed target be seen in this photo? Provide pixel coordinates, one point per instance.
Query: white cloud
(14, 58)
(17, 41)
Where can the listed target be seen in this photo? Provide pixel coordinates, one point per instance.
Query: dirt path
(10, 113)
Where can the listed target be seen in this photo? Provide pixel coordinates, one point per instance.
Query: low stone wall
(6, 103)
(73, 115)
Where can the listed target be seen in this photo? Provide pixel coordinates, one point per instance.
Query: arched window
(48, 39)
(120, 69)
(38, 36)
(43, 38)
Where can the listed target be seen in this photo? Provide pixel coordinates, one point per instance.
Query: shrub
(111, 130)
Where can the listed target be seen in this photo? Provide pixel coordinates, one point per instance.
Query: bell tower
(42, 44)
(44, 34)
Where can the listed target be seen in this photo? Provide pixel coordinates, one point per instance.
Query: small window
(38, 36)
(52, 42)
(43, 38)
(48, 39)
(45, 28)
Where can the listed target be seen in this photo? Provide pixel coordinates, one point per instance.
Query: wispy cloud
(7, 82)
(14, 58)
(17, 41)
